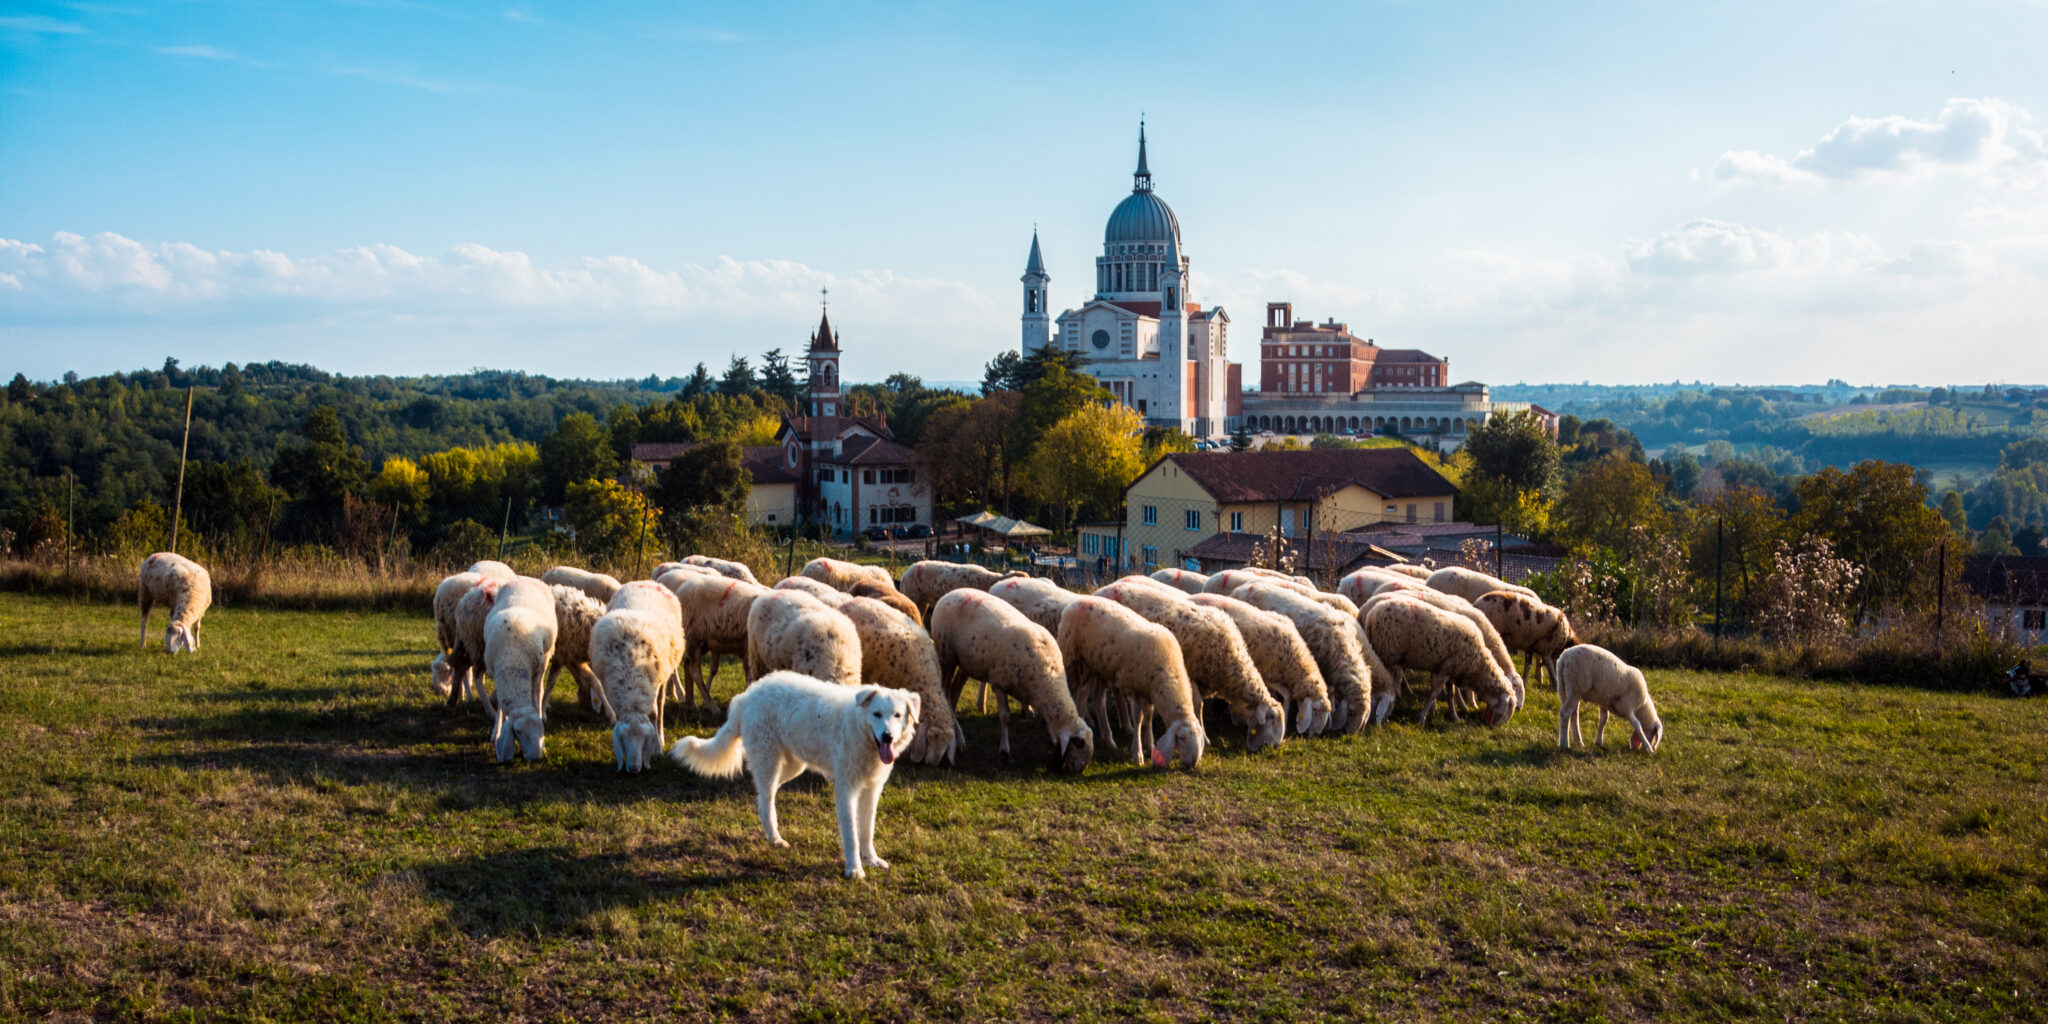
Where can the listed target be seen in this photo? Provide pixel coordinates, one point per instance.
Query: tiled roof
(1332, 553)
(1406, 355)
(1232, 477)
(765, 465)
(661, 451)
(870, 451)
(1151, 309)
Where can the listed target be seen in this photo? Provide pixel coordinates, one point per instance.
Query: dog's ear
(867, 696)
(916, 706)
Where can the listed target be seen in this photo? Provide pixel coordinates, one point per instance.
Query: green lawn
(291, 826)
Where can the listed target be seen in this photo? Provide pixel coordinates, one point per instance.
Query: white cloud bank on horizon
(1975, 137)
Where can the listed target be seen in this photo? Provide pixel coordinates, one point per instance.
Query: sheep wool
(447, 664)
(714, 610)
(1110, 649)
(1041, 601)
(575, 616)
(599, 586)
(1470, 584)
(789, 629)
(1282, 658)
(1541, 632)
(889, 596)
(724, 567)
(1360, 688)
(1594, 675)
(897, 653)
(1182, 580)
(1411, 634)
(635, 648)
(1214, 652)
(979, 636)
(841, 576)
(927, 581)
(519, 642)
(1464, 609)
(185, 590)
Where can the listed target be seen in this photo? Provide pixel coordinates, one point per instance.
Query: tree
(1159, 441)
(1600, 507)
(1996, 539)
(699, 383)
(1515, 449)
(966, 449)
(1952, 512)
(1057, 393)
(777, 380)
(1003, 373)
(1876, 515)
(404, 486)
(609, 518)
(2023, 453)
(578, 450)
(319, 471)
(738, 380)
(1746, 526)
(1486, 499)
(2028, 539)
(1241, 438)
(1087, 458)
(707, 480)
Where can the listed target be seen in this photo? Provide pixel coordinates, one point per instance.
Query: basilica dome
(1142, 217)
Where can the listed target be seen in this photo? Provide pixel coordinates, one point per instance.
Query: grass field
(289, 826)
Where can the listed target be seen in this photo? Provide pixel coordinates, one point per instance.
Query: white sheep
(493, 570)
(1283, 660)
(789, 629)
(1594, 675)
(841, 576)
(1410, 634)
(661, 571)
(453, 660)
(519, 642)
(182, 586)
(714, 611)
(635, 648)
(1230, 579)
(1470, 584)
(1495, 647)
(1040, 600)
(927, 581)
(1182, 580)
(466, 653)
(724, 567)
(897, 653)
(599, 586)
(1360, 688)
(1109, 649)
(575, 616)
(977, 636)
(804, 584)
(1541, 632)
(1217, 660)
(1409, 569)
(1360, 585)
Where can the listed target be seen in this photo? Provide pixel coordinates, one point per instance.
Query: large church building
(1142, 335)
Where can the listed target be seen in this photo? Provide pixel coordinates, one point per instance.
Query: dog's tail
(720, 757)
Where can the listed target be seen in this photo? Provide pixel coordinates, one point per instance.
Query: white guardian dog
(791, 722)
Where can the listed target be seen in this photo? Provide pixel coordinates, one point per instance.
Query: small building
(771, 501)
(2015, 592)
(868, 481)
(1185, 497)
(1326, 558)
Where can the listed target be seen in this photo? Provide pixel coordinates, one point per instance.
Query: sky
(1607, 192)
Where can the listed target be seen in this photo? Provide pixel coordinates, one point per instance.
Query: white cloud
(1978, 137)
(39, 24)
(201, 51)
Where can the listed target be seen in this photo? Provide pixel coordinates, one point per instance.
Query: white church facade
(1141, 335)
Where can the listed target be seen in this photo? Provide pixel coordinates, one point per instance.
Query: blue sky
(1608, 192)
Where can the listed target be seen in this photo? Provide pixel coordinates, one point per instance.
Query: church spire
(1142, 180)
(1036, 264)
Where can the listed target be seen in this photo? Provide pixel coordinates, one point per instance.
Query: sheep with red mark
(1360, 688)
(714, 609)
(789, 629)
(978, 636)
(1213, 651)
(1112, 650)
(635, 648)
(1283, 660)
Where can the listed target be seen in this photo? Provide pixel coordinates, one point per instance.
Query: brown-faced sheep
(1217, 660)
(1540, 631)
(977, 636)
(1361, 691)
(889, 596)
(185, 590)
(1410, 634)
(724, 567)
(575, 616)
(896, 652)
(927, 581)
(789, 629)
(519, 642)
(1182, 580)
(1470, 584)
(599, 586)
(841, 576)
(1283, 660)
(1111, 650)
(714, 610)
(636, 647)
(1595, 676)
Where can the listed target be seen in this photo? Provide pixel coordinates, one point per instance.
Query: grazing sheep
(841, 576)
(1360, 586)
(1528, 625)
(1041, 601)
(1283, 660)
(661, 571)
(635, 647)
(575, 615)
(1470, 584)
(466, 655)
(182, 586)
(927, 581)
(805, 584)
(715, 610)
(1110, 649)
(724, 567)
(1409, 569)
(789, 629)
(1495, 647)
(494, 570)
(1360, 687)
(1594, 675)
(599, 586)
(889, 596)
(1230, 579)
(519, 642)
(896, 652)
(449, 664)
(1182, 580)
(1214, 653)
(1410, 634)
(977, 636)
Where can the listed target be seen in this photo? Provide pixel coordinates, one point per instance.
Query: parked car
(918, 530)
(875, 533)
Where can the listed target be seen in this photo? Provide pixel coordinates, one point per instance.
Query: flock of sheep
(1285, 657)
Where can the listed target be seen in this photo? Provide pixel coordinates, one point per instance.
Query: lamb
(1182, 580)
(896, 652)
(789, 629)
(889, 596)
(519, 643)
(1594, 674)
(599, 586)
(1283, 660)
(1213, 651)
(450, 663)
(1470, 584)
(927, 581)
(635, 647)
(493, 570)
(185, 590)
(1462, 608)
(1359, 685)
(715, 610)
(724, 567)
(1528, 625)
(1411, 634)
(575, 615)
(982, 637)
(1041, 601)
(842, 576)
(1109, 648)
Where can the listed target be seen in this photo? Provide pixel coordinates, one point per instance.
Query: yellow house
(771, 502)
(1188, 497)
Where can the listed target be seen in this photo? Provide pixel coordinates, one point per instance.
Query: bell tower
(1037, 322)
(826, 397)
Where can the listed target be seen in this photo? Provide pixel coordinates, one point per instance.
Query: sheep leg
(1600, 731)
(1430, 704)
(1002, 719)
(143, 600)
(981, 702)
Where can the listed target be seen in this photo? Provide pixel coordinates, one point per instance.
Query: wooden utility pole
(1719, 525)
(1499, 535)
(70, 489)
(1941, 593)
(178, 502)
(504, 529)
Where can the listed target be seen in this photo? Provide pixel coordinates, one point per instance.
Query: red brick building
(1302, 357)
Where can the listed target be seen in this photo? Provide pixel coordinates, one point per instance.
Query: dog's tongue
(886, 752)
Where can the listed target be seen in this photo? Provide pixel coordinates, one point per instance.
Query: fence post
(1941, 594)
(178, 503)
(640, 556)
(1499, 535)
(70, 489)
(1719, 526)
(505, 528)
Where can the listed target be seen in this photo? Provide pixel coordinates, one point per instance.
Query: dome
(1142, 217)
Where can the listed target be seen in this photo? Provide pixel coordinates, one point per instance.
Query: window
(1411, 513)
(1151, 557)
(867, 476)
(1151, 515)
(1237, 522)
(1088, 544)
(2035, 619)
(846, 476)
(874, 514)
(1439, 511)
(1194, 520)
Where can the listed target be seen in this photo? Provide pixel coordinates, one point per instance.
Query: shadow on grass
(556, 890)
(74, 650)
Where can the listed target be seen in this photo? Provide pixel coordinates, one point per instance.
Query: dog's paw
(779, 843)
(856, 874)
(876, 862)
